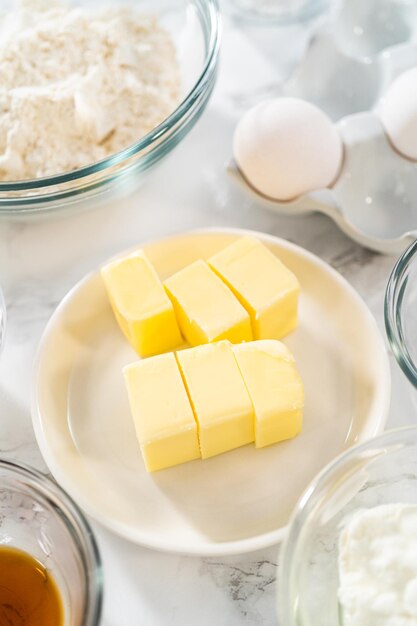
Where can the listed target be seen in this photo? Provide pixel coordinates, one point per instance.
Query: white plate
(236, 502)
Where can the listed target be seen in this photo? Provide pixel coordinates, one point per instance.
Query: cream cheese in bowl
(350, 557)
(378, 566)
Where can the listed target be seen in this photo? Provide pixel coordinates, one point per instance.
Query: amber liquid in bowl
(29, 596)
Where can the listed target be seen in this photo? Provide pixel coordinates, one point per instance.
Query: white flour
(77, 85)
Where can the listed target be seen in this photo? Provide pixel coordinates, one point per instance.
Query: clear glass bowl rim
(393, 303)
(211, 7)
(77, 526)
(392, 439)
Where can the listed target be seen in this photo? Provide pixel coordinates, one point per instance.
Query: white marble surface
(40, 259)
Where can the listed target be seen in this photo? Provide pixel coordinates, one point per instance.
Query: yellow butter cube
(219, 397)
(141, 306)
(265, 287)
(162, 413)
(206, 309)
(275, 387)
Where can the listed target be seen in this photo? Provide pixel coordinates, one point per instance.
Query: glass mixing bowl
(381, 471)
(36, 516)
(401, 312)
(195, 28)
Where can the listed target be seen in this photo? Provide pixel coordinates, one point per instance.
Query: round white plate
(236, 502)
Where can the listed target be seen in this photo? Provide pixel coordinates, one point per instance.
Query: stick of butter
(206, 309)
(219, 397)
(140, 304)
(264, 286)
(162, 413)
(275, 387)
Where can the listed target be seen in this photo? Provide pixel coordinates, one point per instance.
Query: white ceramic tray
(348, 65)
(232, 503)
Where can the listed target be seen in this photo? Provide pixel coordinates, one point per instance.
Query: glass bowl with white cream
(93, 94)
(350, 557)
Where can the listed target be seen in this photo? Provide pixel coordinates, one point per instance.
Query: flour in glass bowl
(78, 84)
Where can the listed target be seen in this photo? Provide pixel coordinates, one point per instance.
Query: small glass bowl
(380, 471)
(195, 28)
(401, 312)
(36, 516)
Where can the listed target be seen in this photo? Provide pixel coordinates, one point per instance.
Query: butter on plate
(262, 283)
(162, 413)
(206, 400)
(220, 400)
(140, 304)
(275, 387)
(206, 309)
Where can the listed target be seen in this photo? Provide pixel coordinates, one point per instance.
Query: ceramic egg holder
(348, 65)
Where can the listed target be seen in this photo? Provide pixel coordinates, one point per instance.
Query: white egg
(398, 113)
(286, 147)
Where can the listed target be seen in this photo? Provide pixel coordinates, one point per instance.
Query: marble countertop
(40, 259)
